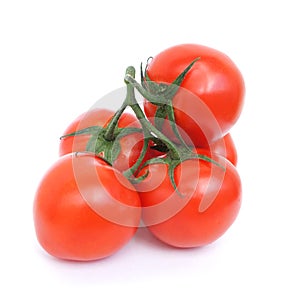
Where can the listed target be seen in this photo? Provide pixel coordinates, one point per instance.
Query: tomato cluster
(169, 165)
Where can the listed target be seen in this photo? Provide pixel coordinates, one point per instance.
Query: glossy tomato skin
(208, 205)
(216, 83)
(225, 147)
(131, 145)
(73, 209)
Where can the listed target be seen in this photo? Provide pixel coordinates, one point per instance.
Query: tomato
(210, 99)
(84, 209)
(130, 145)
(204, 207)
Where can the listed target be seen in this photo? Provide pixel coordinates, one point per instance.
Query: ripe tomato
(84, 209)
(213, 96)
(130, 145)
(207, 204)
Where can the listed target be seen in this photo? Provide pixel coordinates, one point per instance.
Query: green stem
(154, 99)
(152, 129)
(110, 131)
(147, 126)
(164, 99)
(131, 171)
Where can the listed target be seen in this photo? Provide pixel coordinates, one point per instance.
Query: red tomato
(214, 91)
(84, 209)
(207, 204)
(130, 145)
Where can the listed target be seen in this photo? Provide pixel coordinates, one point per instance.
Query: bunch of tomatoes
(167, 163)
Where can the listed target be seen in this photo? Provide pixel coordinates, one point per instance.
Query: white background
(59, 57)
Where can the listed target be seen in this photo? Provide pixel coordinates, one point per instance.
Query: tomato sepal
(163, 90)
(172, 163)
(85, 131)
(99, 144)
(161, 95)
(172, 89)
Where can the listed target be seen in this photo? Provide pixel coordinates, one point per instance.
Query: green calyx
(161, 95)
(110, 149)
(184, 154)
(164, 91)
(100, 145)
